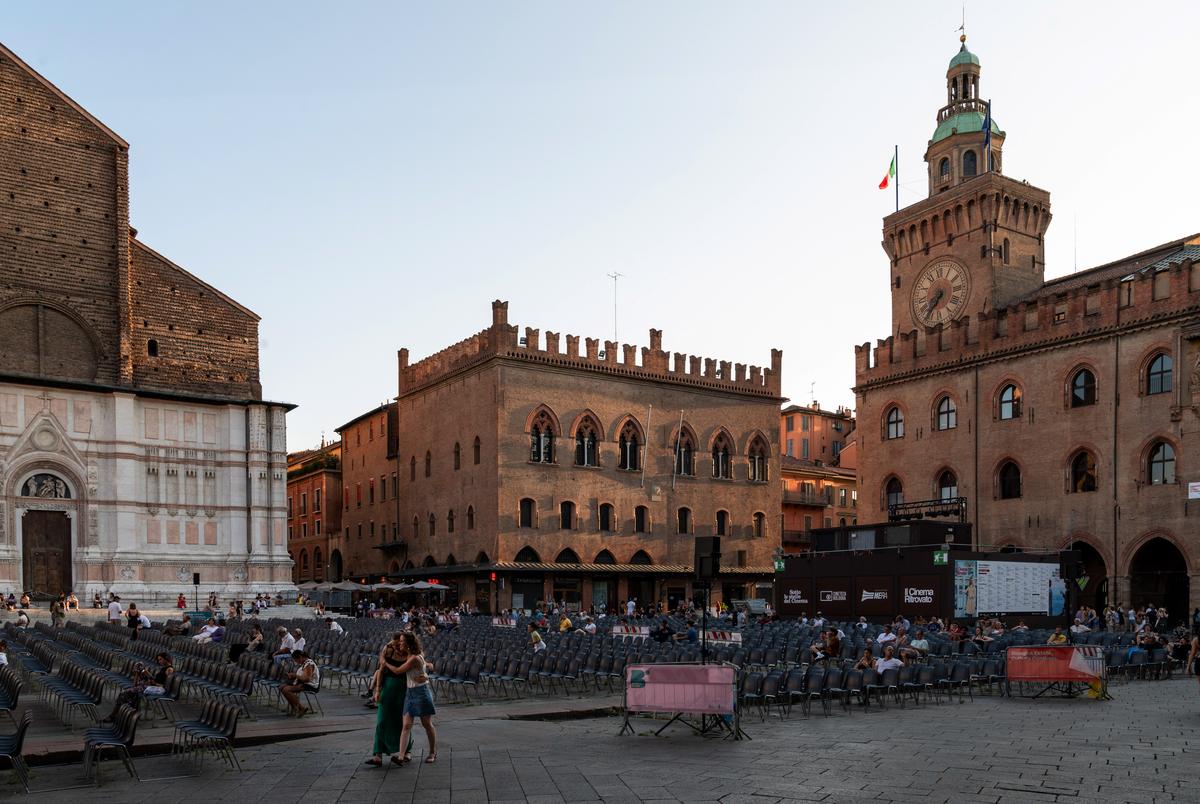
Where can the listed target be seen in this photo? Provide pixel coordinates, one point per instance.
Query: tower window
(629, 447)
(947, 485)
(1010, 402)
(895, 423)
(585, 442)
(152, 348)
(1161, 464)
(1004, 253)
(720, 458)
(944, 167)
(641, 519)
(947, 414)
(970, 163)
(722, 523)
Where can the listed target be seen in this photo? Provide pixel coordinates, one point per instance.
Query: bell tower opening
(960, 148)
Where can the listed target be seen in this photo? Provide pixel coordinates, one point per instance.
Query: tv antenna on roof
(614, 276)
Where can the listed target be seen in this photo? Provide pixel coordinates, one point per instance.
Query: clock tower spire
(975, 244)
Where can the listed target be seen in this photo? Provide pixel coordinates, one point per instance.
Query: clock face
(940, 293)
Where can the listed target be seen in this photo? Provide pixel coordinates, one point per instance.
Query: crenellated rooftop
(1157, 285)
(502, 340)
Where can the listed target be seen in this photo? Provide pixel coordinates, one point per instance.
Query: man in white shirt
(888, 661)
(299, 641)
(114, 610)
(589, 627)
(886, 636)
(143, 620)
(861, 625)
(1079, 628)
(287, 644)
(333, 626)
(818, 621)
(630, 607)
(3, 652)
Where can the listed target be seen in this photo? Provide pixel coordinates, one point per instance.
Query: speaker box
(707, 564)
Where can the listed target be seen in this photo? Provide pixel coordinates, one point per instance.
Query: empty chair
(12, 746)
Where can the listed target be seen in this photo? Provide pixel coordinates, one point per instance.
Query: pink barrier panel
(688, 688)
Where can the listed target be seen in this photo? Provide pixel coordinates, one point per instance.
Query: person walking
(418, 701)
(1193, 662)
(390, 686)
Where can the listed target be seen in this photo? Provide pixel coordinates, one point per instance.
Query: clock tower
(976, 243)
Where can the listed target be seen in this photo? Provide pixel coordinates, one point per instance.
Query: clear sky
(367, 176)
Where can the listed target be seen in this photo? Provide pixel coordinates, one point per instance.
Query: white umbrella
(308, 586)
(426, 586)
(349, 586)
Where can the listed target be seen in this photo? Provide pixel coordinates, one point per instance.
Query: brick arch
(756, 433)
(586, 413)
(533, 414)
(883, 484)
(1132, 547)
(64, 328)
(1105, 552)
(615, 432)
(716, 433)
(687, 428)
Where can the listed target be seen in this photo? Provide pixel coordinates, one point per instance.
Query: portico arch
(1158, 574)
(48, 511)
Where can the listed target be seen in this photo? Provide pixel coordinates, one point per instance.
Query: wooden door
(46, 549)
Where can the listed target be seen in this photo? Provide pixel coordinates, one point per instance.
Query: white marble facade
(150, 489)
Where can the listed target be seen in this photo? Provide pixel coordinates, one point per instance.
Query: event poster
(1008, 587)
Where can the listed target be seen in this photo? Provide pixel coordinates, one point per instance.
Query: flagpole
(896, 159)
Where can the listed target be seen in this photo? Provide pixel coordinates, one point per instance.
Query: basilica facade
(135, 447)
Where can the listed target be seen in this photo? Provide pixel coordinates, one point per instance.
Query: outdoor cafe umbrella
(308, 586)
(425, 586)
(349, 586)
(323, 587)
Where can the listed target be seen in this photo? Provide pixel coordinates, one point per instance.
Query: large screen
(1008, 587)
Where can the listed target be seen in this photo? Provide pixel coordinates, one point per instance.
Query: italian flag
(887, 177)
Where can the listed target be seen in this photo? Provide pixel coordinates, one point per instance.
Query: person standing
(58, 612)
(390, 688)
(114, 610)
(418, 701)
(1194, 655)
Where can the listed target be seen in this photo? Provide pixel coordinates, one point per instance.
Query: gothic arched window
(894, 492)
(476, 448)
(1010, 402)
(585, 442)
(1158, 376)
(895, 423)
(721, 450)
(757, 472)
(947, 414)
(685, 453)
(630, 447)
(944, 167)
(470, 517)
(541, 439)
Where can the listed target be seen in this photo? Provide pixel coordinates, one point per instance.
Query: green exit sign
(779, 565)
(940, 558)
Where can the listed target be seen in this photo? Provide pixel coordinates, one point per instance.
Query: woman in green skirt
(390, 688)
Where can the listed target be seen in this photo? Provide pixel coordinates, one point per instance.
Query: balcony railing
(806, 498)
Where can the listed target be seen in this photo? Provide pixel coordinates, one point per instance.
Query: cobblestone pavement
(1141, 747)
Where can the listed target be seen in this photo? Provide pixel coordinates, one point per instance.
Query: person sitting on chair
(866, 661)
(305, 678)
(144, 683)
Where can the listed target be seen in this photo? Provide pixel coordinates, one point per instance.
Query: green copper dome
(965, 123)
(964, 56)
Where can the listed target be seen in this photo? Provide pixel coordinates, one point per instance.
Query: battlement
(989, 201)
(1060, 313)
(501, 340)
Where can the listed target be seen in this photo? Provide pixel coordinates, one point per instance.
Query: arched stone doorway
(46, 504)
(1094, 590)
(1158, 574)
(335, 566)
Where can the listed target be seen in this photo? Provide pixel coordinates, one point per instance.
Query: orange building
(314, 509)
(813, 434)
(368, 543)
(815, 495)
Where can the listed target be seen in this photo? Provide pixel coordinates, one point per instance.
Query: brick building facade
(368, 544)
(1065, 412)
(135, 447)
(815, 495)
(314, 512)
(563, 472)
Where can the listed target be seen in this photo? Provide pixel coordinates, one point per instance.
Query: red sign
(1084, 663)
